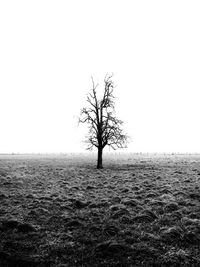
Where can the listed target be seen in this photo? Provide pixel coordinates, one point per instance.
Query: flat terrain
(140, 210)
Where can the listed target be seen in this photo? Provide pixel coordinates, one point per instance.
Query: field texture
(139, 210)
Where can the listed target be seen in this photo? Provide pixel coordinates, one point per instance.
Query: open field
(140, 210)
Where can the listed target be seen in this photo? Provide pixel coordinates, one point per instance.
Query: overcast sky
(50, 49)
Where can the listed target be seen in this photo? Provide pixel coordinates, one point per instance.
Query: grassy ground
(139, 210)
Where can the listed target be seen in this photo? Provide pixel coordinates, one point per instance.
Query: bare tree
(104, 128)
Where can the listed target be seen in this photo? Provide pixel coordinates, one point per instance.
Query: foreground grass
(137, 211)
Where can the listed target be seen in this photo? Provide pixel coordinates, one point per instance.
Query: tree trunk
(99, 159)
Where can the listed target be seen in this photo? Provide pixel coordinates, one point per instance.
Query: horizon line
(92, 152)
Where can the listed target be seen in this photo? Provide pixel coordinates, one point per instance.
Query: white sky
(50, 49)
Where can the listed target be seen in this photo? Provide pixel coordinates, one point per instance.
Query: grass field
(140, 210)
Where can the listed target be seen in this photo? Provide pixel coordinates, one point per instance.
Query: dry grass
(138, 211)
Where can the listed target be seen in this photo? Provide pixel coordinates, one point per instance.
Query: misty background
(50, 49)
